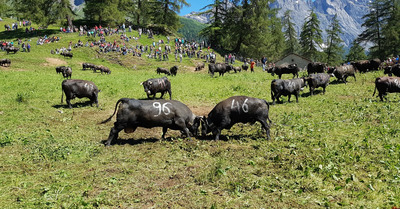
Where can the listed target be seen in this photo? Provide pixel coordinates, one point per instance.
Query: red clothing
(252, 64)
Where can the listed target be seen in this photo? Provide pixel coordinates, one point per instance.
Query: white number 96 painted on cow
(172, 114)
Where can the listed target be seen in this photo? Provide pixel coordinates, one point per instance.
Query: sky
(195, 6)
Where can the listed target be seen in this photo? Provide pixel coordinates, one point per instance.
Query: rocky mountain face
(349, 12)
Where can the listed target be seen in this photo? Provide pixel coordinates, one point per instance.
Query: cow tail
(375, 87)
(115, 110)
(62, 95)
(268, 111)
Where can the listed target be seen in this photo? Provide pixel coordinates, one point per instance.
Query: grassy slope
(332, 150)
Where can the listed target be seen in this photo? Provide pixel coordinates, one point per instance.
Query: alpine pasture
(338, 149)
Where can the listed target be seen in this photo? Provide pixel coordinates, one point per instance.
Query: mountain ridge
(349, 14)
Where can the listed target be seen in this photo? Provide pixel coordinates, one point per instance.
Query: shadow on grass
(309, 93)
(21, 34)
(132, 141)
(75, 105)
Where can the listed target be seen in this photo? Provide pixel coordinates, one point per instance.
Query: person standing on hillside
(252, 63)
(28, 47)
(263, 61)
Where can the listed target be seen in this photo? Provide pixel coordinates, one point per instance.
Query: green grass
(335, 150)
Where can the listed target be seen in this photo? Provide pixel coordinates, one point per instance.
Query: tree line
(249, 28)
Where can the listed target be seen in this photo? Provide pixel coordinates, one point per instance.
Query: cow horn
(141, 83)
(150, 82)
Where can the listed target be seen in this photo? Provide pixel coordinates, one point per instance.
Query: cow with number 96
(236, 109)
(133, 113)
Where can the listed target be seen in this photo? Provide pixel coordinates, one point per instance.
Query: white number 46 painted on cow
(236, 105)
(162, 108)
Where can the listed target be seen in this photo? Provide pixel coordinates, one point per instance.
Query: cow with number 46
(236, 109)
(133, 113)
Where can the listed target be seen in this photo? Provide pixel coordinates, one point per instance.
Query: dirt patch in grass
(54, 62)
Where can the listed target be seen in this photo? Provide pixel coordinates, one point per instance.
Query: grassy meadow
(335, 150)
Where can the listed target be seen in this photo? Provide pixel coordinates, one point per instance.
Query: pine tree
(213, 32)
(292, 43)
(109, 12)
(356, 52)
(137, 11)
(164, 13)
(374, 23)
(334, 50)
(391, 30)
(311, 37)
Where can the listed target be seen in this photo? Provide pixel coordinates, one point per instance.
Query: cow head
(205, 126)
(388, 70)
(147, 85)
(303, 83)
(271, 70)
(194, 128)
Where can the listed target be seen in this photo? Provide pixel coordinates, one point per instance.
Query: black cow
(279, 70)
(395, 70)
(173, 70)
(386, 84)
(364, 66)
(163, 70)
(12, 49)
(342, 72)
(102, 69)
(86, 66)
(221, 68)
(199, 66)
(361, 65)
(245, 66)
(236, 69)
(60, 69)
(281, 87)
(67, 72)
(316, 67)
(5, 62)
(374, 64)
(154, 85)
(79, 88)
(236, 109)
(134, 113)
(67, 54)
(318, 80)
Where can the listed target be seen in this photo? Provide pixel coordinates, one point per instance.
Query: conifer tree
(356, 52)
(375, 21)
(213, 31)
(164, 13)
(109, 12)
(391, 30)
(292, 43)
(311, 37)
(334, 50)
(44, 12)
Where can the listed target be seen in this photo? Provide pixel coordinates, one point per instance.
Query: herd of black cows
(172, 114)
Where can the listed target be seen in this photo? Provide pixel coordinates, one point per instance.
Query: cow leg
(216, 133)
(164, 130)
(311, 90)
(280, 76)
(265, 125)
(297, 96)
(169, 92)
(68, 103)
(289, 97)
(354, 75)
(162, 94)
(272, 97)
(114, 132)
(381, 96)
